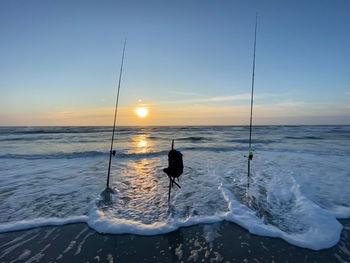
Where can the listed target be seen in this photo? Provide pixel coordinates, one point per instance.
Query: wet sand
(221, 242)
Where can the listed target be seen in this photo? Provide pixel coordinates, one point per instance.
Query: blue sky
(188, 62)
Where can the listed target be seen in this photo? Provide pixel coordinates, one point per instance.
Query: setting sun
(141, 112)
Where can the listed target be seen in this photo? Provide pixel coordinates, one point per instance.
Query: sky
(188, 62)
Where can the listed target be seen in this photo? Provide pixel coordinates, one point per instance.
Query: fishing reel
(250, 156)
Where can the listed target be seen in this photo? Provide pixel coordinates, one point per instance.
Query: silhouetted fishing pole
(112, 152)
(250, 155)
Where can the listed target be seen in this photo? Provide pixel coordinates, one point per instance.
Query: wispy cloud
(224, 98)
(237, 97)
(211, 99)
(183, 93)
(347, 93)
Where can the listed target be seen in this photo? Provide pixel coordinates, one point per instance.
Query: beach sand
(219, 242)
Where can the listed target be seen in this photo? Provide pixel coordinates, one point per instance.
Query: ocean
(299, 185)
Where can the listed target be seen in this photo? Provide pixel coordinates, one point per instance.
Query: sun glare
(141, 112)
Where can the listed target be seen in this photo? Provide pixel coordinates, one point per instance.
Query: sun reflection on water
(141, 192)
(142, 144)
(140, 184)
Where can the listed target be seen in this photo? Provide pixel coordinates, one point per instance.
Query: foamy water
(300, 180)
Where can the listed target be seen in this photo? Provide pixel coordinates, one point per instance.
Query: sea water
(299, 183)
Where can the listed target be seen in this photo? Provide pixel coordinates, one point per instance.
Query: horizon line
(201, 125)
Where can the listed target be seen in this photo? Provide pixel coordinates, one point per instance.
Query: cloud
(245, 96)
(347, 93)
(219, 99)
(225, 98)
(183, 93)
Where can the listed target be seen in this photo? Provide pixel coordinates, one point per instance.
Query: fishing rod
(250, 155)
(111, 151)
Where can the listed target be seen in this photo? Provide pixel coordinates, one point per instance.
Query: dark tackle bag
(176, 165)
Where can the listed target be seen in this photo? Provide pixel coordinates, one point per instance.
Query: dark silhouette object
(111, 151)
(250, 156)
(175, 168)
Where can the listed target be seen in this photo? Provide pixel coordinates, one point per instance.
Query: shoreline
(217, 242)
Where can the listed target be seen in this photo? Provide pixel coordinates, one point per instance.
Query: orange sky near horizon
(172, 115)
